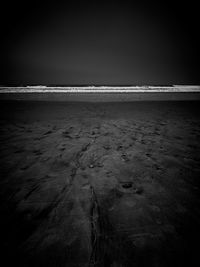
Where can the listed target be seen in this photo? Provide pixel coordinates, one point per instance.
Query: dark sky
(112, 43)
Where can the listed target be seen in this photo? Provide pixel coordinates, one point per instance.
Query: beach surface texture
(99, 184)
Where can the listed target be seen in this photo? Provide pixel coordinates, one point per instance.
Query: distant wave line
(101, 89)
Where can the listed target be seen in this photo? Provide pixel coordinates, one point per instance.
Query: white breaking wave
(100, 89)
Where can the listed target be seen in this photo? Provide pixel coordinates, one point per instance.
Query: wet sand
(101, 97)
(100, 184)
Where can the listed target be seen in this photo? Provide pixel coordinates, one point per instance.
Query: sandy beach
(100, 184)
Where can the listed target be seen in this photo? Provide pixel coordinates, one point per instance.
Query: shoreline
(100, 97)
